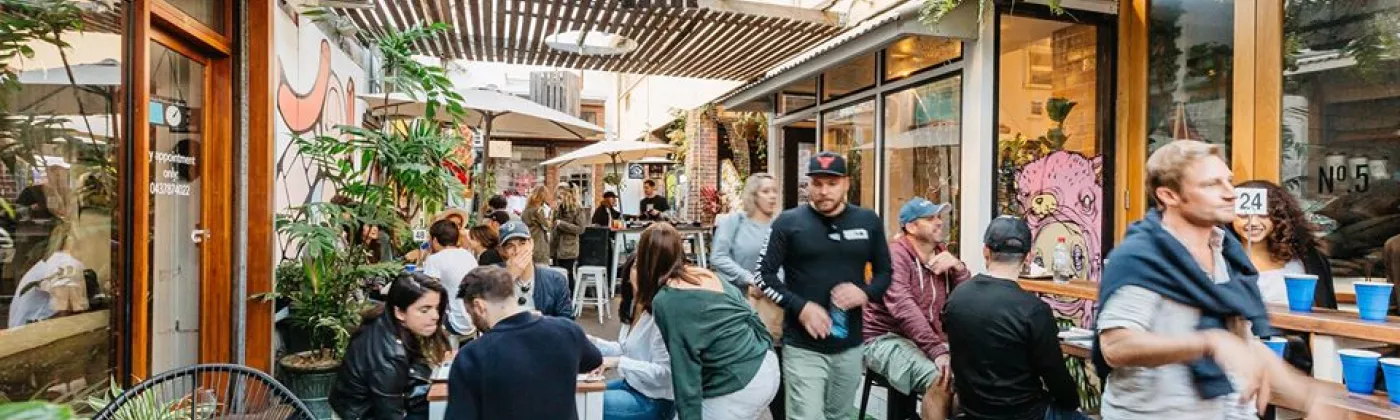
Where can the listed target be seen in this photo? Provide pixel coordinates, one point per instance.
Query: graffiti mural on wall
(1062, 194)
(316, 92)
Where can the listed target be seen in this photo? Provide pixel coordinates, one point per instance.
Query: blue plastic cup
(1373, 299)
(1300, 291)
(1277, 344)
(1390, 366)
(1359, 370)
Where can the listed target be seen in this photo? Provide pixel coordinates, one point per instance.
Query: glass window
(851, 131)
(798, 142)
(918, 52)
(1341, 108)
(851, 76)
(208, 12)
(1049, 164)
(923, 138)
(59, 138)
(797, 96)
(1190, 50)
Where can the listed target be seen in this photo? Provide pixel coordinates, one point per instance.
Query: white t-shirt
(449, 266)
(1271, 285)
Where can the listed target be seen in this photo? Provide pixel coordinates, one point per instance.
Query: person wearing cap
(823, 249)
(904, 339)
(538, 287)
(1004, 342)
(607, 212)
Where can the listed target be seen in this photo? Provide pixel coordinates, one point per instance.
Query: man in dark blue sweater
(524, 367)
(824, 249)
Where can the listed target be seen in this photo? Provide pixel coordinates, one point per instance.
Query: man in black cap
(607, 211)
(1004, 342)
(824, 248)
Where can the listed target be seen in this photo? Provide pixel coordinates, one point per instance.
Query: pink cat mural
(1062, 196)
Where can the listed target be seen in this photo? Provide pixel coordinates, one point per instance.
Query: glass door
(176, 127)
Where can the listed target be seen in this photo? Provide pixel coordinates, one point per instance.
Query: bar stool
(598, 278)
(897, 405)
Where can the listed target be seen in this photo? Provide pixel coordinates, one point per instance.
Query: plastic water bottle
(838, 322)
(1060, 268)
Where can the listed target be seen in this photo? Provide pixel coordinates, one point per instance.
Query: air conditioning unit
(339, 4)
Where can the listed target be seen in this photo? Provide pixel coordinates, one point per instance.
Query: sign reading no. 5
(1251, 201)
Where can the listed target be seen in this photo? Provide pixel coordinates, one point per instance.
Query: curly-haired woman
(1283, 243)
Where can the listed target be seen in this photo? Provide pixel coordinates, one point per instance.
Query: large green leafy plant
(387, 177)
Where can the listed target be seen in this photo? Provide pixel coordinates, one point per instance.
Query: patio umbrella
(50, 91)
(497, 113)
(613, 151)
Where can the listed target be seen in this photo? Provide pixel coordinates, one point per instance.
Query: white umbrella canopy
(612, 151)
(50, 91)
(500, 114)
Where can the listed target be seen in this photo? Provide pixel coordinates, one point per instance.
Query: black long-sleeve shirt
(818, 253)
(1005, 349)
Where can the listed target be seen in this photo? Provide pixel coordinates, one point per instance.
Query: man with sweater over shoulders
(904, 338)
(524, 366)
(823, 249)
(1180, 315)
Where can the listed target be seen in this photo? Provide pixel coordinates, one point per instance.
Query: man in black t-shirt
(1004, 343)
(653, 204)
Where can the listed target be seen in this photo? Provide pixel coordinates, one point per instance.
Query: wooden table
(588, 399)
(1329, 330)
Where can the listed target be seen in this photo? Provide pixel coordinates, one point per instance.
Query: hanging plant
(934, 10)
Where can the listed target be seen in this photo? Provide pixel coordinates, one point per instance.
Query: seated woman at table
(389, 364)
(722, 362)
(1283, 243)
(482, 241)
(644, 391)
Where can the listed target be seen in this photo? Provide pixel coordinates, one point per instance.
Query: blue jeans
(1057, 413)
(621, 402)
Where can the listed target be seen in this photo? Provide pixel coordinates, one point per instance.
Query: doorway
(799, 140)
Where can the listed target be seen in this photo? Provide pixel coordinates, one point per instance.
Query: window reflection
(1341, 110)
(923, 138)
(797, 96)
(59, 132)
(208, 12)
(851, 76)
(1190, 49)
(918, 52)
(851, 131)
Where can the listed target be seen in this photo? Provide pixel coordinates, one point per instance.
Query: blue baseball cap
(514, 229)
(919, 208)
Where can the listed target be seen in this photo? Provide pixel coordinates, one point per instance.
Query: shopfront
(125, 177)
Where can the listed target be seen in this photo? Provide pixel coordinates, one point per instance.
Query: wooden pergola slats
(682, 38)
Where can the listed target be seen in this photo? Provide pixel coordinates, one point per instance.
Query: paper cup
(1277, 344)
(1301, 288)
(1359, 370)
(1390, 366)
(1373, 299)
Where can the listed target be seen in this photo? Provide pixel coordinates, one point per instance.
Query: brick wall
(1076, 78)
(702, 161)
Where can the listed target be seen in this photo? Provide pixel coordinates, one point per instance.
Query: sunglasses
(523, 290)
(833, 233)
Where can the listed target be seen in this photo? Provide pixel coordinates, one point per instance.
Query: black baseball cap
(609, 194)
(827, 163)
(1008, 234)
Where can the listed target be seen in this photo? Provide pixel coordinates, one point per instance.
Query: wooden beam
(1131, 197)
(138, 196)
(1268, 93)
(261, 242)
(801, 14)
(1242, 99)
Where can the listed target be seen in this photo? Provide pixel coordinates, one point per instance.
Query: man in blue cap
(824, 248)
(904, 338)
(538, 287)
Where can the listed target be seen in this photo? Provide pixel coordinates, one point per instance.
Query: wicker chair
(213, 391)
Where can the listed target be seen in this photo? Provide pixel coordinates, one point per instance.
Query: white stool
(598, 278)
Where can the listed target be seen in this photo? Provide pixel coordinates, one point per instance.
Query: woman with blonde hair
(738, 244)
(538, 222)
(570, 220)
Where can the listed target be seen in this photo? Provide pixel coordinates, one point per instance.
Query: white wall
(645, 102)
(979, 77)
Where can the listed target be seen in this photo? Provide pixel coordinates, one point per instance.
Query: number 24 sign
(1251, 201)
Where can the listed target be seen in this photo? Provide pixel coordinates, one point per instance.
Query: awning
(712, 39)
(872, 34)
(511, 116)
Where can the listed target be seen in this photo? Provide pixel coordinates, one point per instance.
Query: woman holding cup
(1283, 244)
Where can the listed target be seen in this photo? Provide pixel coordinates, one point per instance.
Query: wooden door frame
(157, 21)
(1256, 100)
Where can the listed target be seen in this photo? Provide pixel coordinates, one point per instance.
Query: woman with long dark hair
(644, 390)
(482, 241)
(1284, 243)
(389, 364)
(722, 362)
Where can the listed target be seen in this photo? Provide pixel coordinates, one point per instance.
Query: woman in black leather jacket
(389, 364)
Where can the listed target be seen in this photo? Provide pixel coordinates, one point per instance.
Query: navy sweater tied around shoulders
(1151, 258)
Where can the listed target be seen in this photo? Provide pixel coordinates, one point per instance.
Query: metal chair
(213, 391)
